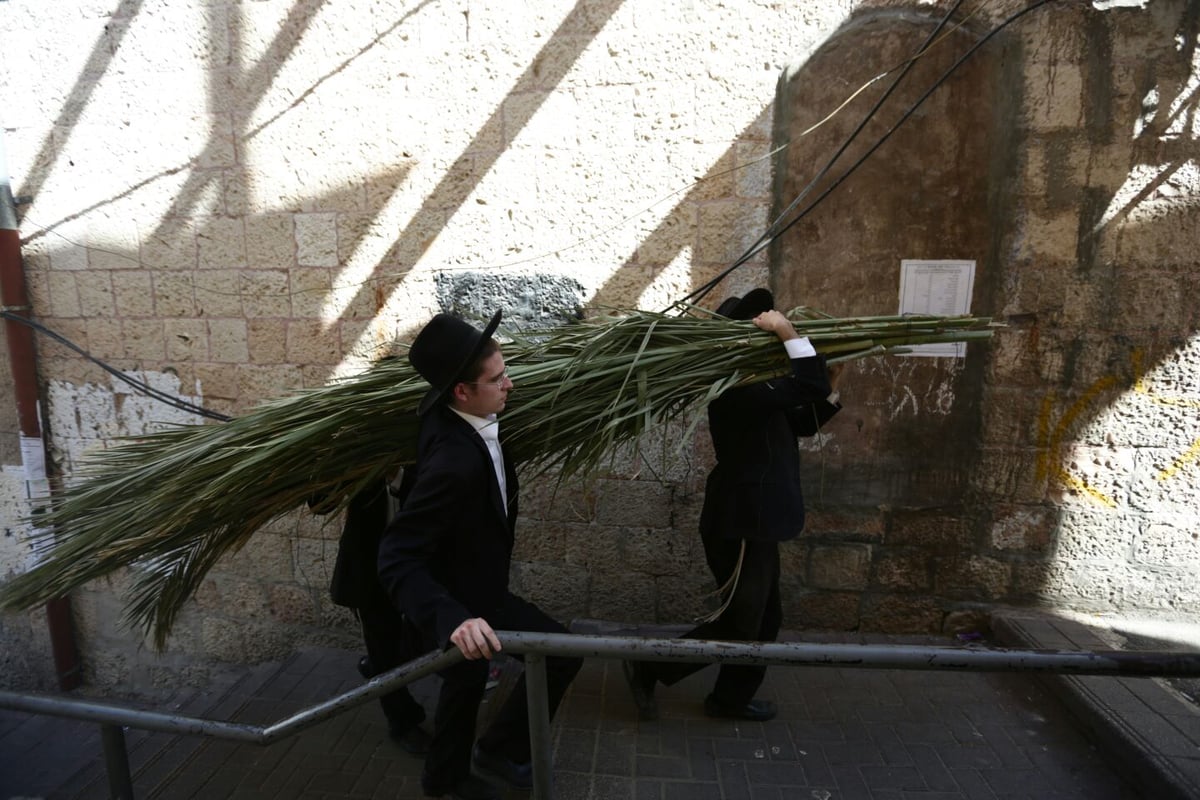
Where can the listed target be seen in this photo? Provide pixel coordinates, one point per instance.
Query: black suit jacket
(355, 579)
(754, 490)
(445, 556)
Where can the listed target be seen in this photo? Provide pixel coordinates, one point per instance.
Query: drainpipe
(22, 356)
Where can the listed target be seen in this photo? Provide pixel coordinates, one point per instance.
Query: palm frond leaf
(173, 503)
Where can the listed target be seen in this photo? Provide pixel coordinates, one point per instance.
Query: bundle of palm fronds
(172, 503)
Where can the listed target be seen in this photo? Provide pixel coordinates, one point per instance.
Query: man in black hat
(445, 556)
(752, 502)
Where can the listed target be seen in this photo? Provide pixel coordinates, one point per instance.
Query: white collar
(487, 427)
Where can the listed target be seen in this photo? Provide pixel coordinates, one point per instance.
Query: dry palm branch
(170, 504)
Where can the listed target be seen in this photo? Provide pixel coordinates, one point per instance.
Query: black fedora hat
(754, 303)
(443, 349)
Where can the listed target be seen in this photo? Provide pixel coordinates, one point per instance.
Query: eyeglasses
(497, 384)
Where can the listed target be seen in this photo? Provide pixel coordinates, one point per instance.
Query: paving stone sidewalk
(841, 733)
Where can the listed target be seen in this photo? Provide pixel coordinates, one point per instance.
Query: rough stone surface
(1083, 402)
(528, 301)
(221, 208)
(840, 567)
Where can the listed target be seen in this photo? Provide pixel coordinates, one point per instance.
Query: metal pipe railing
(536, 646)
(111, 714)
(539, 723)
(870, 656)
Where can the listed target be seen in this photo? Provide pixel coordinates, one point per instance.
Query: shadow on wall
(966, 176)
(265, 288)
(709, 234)
(270, 290)
(216, 191)
(1062, 158)
(925, 193)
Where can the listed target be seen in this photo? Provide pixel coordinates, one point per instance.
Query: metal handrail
(536, 646)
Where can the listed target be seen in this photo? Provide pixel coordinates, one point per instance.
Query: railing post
(539, 725)
(116, 761)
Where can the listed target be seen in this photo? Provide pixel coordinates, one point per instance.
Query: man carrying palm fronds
(444, 559)
(752, 502)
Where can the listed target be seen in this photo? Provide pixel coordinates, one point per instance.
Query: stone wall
(25, 657)
(231, 200)
(1056, 465)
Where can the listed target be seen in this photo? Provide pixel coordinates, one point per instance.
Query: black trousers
(391, 641)
(755, 613)
(449, 758)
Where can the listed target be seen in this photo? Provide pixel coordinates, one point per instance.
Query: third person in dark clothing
(390, 640)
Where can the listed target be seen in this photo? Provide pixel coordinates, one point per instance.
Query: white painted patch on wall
(15, 554)
(82, 417)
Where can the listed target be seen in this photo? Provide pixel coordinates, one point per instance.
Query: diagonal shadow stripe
(103, 52)
(334, 72)
(260, 76)
(539, 78)
(257, 83)
(679, 229)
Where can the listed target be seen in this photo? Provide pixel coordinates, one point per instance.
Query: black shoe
(515, 774)
(641, 686)
(469, 788)
(753, 710)
(365, 668)
(413, 739)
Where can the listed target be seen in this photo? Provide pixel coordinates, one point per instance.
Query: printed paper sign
(937, 287)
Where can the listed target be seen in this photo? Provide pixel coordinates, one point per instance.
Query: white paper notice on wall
(937, 287)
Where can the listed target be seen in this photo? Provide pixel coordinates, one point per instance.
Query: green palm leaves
(172, 503)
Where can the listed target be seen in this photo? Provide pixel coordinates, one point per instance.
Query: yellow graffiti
(1049, 463)
(1081, 486)
(1188, 457)
(1050, 439)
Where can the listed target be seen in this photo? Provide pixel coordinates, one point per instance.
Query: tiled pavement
(841, 733)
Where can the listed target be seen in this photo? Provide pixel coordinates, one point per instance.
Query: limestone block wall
(25, 657)
(230, 200)
(1103, 261)
(1058, 465)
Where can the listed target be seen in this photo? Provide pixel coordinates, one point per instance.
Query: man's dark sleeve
(806, 420)
(808, 383)
(410, 542)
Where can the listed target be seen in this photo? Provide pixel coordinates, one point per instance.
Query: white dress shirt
(489, 430)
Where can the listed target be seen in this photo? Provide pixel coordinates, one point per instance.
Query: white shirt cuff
(800, 348)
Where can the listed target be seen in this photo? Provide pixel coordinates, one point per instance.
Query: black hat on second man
(443, 350)
(754, 303)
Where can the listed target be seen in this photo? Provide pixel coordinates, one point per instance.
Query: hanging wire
(138, 385)
(776, 229)
(773, 229)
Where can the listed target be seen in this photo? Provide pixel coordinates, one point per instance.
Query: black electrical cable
(764, 240)
(912, 109)
(771, 232)
(141, 386)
